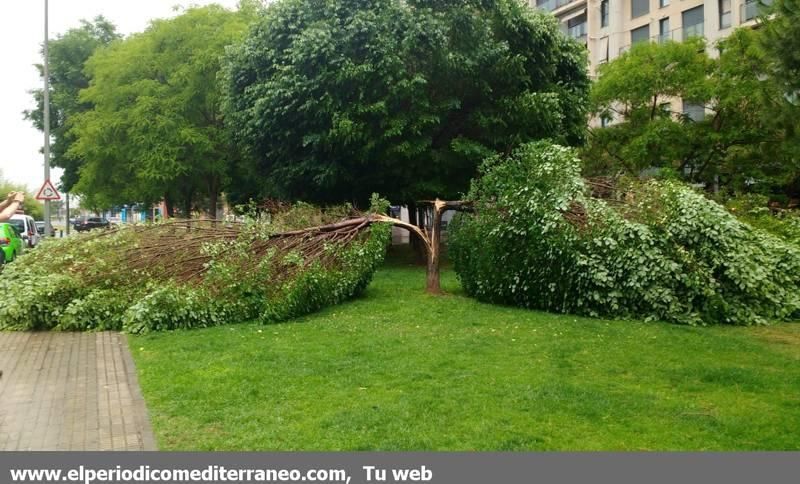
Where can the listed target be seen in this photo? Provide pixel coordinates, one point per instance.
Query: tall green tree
(68, 54)
(336, 100)
(733, 137)
(156, 130)
(782, 40)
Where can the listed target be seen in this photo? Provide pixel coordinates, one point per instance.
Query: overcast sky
(21, 36)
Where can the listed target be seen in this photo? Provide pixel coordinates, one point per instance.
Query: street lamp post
(48, 229)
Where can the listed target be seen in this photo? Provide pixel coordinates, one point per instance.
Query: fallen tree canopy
(656, 250)
(196, 273)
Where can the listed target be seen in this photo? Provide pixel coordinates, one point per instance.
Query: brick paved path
(70, 391)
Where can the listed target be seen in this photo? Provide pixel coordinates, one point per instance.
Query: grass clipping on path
(541, 237)
(194, 273)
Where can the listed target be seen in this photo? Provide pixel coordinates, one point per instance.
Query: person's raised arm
(9, 206)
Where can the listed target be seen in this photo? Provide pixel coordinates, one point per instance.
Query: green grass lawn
(398, 369)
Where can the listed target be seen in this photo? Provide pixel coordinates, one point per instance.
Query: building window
(663, 3)
(576, 27)
(604, 13)
(724, 13)
(693, 22)
(604, 51)
(642, 34)
(694, 111)
(751, 9)
(639, 8)
(663, 29)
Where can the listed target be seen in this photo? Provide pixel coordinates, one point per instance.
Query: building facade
(609, 27)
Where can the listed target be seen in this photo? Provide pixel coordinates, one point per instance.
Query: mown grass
(398, 369)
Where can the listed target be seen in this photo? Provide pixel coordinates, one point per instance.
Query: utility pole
(48, 229)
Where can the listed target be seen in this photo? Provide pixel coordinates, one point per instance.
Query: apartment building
(609, 27)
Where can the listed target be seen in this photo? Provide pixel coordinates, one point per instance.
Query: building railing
(551, 5)
(578, 31)
(676, 35)
(690, 31)
(750, 9)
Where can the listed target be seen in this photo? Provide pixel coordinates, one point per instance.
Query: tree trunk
(169, 207)
(213, 197)
(433, 285)
(438, 208)
(187, 207)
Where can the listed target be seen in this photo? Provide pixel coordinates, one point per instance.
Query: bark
(434, 236)
(213, 196)
(169, 206)
(433, 284)
(187, 208)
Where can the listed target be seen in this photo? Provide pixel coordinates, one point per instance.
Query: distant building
(609, 27)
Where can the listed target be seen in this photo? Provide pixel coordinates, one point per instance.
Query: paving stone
(70, 391)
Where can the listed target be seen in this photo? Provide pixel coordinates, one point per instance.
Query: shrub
(655, 250)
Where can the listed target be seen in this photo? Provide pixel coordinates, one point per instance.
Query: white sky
(21, 36)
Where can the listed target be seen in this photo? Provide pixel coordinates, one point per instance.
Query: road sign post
(48, 229)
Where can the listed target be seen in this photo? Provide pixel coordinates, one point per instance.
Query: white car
(27, 228)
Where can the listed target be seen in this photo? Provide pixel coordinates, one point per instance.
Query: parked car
(26, 227)
(11, 244)
(40, 227)
(90, 223)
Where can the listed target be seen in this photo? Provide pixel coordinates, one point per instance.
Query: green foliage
(659, 251)
(753, 209)
(68, 55)
(97, 310)
(170, 306)
(34, 302)
(335, 100)
(318, 286)
(155, 129)
(745, 140)
(782, 40)
(85, 282)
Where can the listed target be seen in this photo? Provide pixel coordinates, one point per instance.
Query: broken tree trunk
(433, 285)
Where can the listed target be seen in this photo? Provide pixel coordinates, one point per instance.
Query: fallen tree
(195, 273)
(542, 237)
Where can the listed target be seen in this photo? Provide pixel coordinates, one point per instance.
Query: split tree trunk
(429, 241)
(433, 286)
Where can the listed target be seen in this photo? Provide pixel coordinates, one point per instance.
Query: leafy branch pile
(198, 273)
(654, 250)
(754, 210)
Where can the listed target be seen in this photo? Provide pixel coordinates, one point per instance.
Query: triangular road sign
(48, 192)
